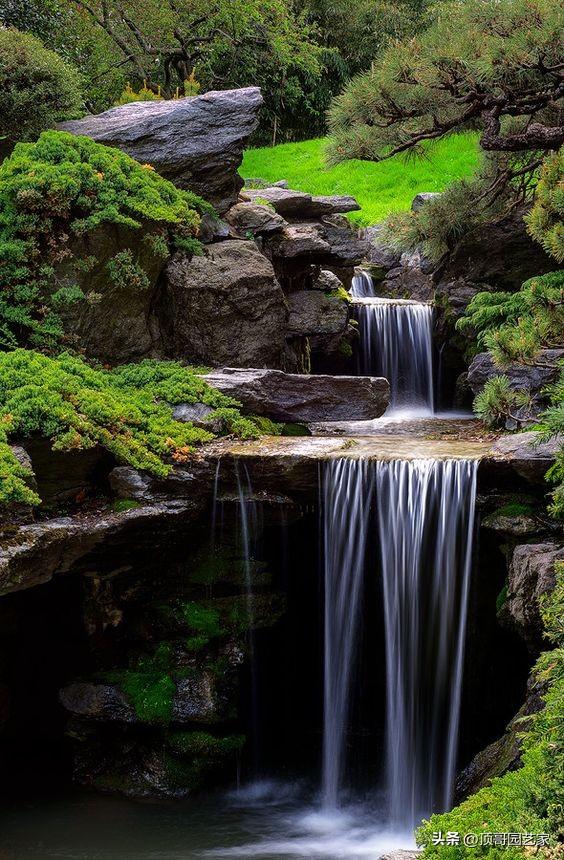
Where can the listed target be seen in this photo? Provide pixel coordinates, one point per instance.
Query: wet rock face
(531, 574)
(196, 142)
(292, 204)
(225, 307)
(304, 398)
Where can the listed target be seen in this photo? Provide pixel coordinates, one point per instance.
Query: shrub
(545, 221)
(528, 800)
(498, 403)
(125, 411)
(516, 326)
(60, 188)
(37, 87)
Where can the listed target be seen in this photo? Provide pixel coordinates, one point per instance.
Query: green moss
(196, 756)
(126, 411)
(339, 293)
(345, 349)
(292, 429)
(149, 685)
(56, 190)
(202, 743)
(121, 505)
(514, 509)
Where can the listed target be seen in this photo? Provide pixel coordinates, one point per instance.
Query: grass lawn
(380, 188)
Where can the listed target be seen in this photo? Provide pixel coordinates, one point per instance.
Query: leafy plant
(527, 800)
(37, 87)
(125, 411)
(59, 189)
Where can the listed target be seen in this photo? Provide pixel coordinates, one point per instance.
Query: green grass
(380, 188)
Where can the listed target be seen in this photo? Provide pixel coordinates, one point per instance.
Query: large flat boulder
(304, 397)
(298, 204)
(225, 307)
(196, 142)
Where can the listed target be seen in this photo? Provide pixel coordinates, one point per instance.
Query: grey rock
(327, 281)
(301, 397)
(378, 251)
(528, 457)
(254, 218)
(531, 379)
(214, 230)
(225, 307)
(517, 525)
(37, 552)
(113, 324)
(297, 204)
(195, 142)
(420, 200)
(196, 700)
(98, 702)
(531, 574)
(401, 854)
(302, 240)
(128, 483)
(313, 313)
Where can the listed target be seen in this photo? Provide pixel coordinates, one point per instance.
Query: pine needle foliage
(127, 411)
(516, 326)
(56, 190)
(545, 221)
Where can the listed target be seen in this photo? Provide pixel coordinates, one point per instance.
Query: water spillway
(421, 513)
(396, 342)
(362, 286)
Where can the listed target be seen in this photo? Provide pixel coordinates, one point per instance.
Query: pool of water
(270, 820)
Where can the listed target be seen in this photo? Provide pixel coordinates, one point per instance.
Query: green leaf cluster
(37, 88)
(59, 189)
(126, 411)
(530, 798)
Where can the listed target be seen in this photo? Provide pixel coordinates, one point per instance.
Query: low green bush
(527, 800)
(126, 411)
(61, 188)
(37, 87)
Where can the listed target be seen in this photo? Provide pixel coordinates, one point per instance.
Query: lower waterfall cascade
(396, 341)
(422, 512)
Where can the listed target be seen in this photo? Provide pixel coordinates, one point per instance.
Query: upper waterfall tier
(396, 343)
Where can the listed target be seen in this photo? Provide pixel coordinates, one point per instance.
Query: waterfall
(425, 512)
(422, 514)
(362, 286)
(346, 495)
(396, 342)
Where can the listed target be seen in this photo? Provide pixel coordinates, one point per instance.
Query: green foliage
(476, 64)
(149, 685)
(125, 273)
(37, 87)
(125, 411)
(528, 800)
(121, 505)
(379, 188)
(545, 221)
(499, 403)
(203, 744)
(551, 426)
(203, 622)
(60, 188)
(516, 326)
(144, 94)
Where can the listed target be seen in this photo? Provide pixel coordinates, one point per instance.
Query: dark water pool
(270, 820)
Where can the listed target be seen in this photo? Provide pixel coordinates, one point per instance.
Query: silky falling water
(346, 495)
(396, 342)
(425, 515)
(362, 286)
